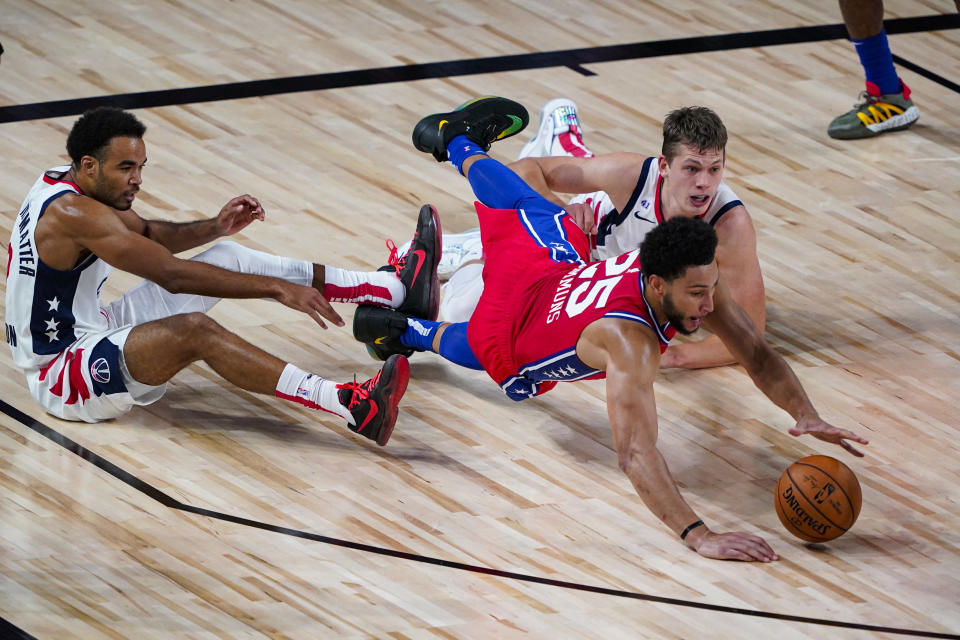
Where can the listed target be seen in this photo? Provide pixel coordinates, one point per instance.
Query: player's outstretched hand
(828, 433)
(583, 215)
(310, 301)
(238, 213)
(735, 545)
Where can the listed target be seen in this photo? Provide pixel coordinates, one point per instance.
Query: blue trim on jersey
(562, 366)
(47, 202)
(658, 329)
(519, 388)
(626, 315)
(51, 312)
(723, 210)
(546, 228)
(615, 218)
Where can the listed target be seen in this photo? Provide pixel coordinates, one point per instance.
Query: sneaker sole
(898, 122)
(424, 131)
(434, 305)
(396, 371)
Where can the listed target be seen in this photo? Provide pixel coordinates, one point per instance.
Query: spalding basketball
(818, 498)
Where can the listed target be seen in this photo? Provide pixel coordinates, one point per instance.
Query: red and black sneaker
(417, 268)
(373, 404)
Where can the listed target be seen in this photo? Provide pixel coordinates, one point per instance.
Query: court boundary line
(156, 494)
(12, 631)
(573, 59)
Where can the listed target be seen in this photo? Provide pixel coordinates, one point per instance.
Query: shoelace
(866, 98)
(395, 260)
(360, 390)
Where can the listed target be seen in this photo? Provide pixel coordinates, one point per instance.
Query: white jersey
(48, 309)
(622, 231)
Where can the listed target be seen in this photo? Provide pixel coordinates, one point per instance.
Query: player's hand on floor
(734, 546)
(238, 213)
(583, 215)
(310, 301)
(828, 433)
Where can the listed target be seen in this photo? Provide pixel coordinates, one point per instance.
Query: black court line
(571, 58)
(926, 73)
(10, 631)
(173, 503)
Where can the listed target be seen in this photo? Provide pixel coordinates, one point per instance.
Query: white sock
(376, 287)
(311, 391)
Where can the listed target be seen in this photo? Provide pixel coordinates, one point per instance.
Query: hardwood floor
(857, 241)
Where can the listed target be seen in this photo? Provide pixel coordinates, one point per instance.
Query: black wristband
(683, 536)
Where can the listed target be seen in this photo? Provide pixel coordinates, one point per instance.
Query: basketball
(818, 498)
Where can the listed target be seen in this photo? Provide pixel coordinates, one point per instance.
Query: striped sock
(312, 391)
(370, 287)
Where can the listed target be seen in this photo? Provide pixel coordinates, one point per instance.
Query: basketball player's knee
(197, 327)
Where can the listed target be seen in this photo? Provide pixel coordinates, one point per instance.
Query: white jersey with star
(619, 232)
(47, 309)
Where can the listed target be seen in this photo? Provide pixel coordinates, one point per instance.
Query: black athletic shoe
(373, 404)
(380, 328)
(417, 268)
(483, 120)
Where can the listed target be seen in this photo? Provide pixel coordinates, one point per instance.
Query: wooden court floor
(219, 514)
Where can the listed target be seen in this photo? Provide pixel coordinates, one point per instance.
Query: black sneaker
(380, 328)
(373, 404)
(417, 268)
(483, 120)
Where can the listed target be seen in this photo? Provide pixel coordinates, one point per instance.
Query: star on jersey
(52, 332)
(54, 304)
(563, 372)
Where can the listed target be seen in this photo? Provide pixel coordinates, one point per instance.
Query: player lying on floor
(548, 315)
(622, 196)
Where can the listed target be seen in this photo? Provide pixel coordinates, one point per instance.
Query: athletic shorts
(524, 248)
(89, 382)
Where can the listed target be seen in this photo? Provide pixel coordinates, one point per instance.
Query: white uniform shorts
(89, 380)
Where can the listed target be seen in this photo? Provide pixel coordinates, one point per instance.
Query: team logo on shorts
(100, 371)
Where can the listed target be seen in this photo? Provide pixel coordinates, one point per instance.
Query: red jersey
(539, 296)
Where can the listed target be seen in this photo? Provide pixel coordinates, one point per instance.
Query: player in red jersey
(548, 315)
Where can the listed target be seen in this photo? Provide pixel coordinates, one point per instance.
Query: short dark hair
(92, 132)
(697, 127)
(676, 244)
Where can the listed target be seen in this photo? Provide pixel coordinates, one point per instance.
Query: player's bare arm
(615, 173)
(737, 259)
(182, 236)
(770, 372)
(629, 353)
(76, 225)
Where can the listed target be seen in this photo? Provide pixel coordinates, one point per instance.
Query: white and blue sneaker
(458, 249)
(560, 132)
